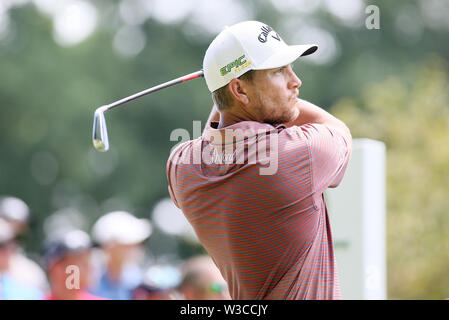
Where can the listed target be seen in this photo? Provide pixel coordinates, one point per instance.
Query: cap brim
(287, 56)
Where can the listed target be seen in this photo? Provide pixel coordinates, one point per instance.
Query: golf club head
(100, 138)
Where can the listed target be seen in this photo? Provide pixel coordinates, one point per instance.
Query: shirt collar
(238, 131)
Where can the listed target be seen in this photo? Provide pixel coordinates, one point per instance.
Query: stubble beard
(265, 110)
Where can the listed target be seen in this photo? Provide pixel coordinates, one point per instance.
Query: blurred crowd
(109, 263)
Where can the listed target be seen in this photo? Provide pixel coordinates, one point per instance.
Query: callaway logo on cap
(249, 45)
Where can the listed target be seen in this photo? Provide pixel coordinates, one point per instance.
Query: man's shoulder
(182, 149)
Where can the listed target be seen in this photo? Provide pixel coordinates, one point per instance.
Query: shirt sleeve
(330, 151)
(170, 172)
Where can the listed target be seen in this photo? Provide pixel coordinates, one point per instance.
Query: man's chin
(294, 114)
(279, 121)
(289, 115)
(286, 119)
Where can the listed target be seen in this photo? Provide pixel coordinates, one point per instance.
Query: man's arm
(331, 148)
(310, 113)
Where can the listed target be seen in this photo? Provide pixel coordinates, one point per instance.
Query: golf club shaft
(167, 84)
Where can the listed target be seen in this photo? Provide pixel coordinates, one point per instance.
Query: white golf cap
(248, 45)
(121, 227)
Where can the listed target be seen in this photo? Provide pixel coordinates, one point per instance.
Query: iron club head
(100, 132)
(100, 138)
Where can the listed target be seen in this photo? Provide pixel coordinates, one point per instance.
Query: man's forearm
(310, 113)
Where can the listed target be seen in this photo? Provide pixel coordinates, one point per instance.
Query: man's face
(273, 95)
(124, 252)
(6, 251)
(59, 271)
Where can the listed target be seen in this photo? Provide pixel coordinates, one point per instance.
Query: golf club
(100, 138)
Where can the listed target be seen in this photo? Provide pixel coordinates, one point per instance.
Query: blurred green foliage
(413, 121)
(383, 83)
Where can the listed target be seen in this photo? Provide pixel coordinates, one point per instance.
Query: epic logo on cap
(234, 64)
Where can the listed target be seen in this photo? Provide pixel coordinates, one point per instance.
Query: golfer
(252, 185)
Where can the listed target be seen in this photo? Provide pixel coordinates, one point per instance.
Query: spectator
(11, 288)
(201, 280)
(16, 212)
(159, 283)
(67, 259)
(120, 236)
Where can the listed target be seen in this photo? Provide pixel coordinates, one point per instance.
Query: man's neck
(62, 293)
(228, 118)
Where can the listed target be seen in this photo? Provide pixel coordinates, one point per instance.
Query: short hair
(223, 98)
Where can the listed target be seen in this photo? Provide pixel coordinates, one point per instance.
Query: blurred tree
(413, 120)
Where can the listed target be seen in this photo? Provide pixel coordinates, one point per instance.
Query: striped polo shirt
(254, 196)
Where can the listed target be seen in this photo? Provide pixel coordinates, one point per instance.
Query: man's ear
(238, 90)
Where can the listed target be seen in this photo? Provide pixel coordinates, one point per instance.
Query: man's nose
(294, 82)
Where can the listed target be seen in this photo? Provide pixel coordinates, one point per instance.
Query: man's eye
(279, 70)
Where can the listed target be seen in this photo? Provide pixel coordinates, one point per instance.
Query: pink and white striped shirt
(268, 233)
